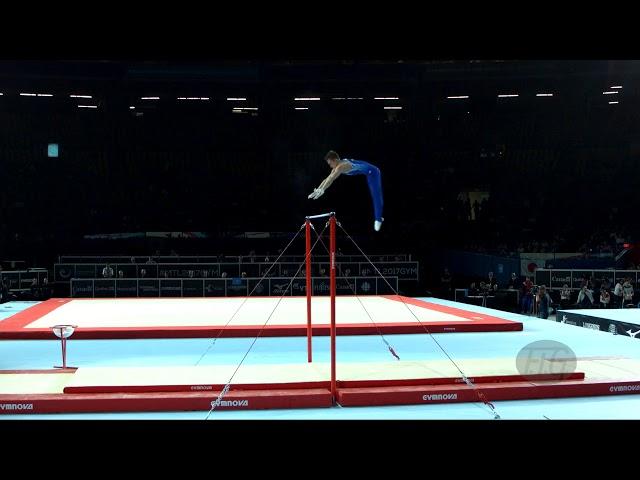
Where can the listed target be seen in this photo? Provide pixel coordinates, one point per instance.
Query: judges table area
(503, 299)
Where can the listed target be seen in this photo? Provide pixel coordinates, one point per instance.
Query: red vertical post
(332, 289)
(307, 229)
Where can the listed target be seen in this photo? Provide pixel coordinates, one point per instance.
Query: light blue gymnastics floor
(42, 354)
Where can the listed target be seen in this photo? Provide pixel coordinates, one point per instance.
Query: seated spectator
(605, 298)
(585, 297)
(513, 282)
(107, 271)
(617, 295)
(565, 296)
(627, 293)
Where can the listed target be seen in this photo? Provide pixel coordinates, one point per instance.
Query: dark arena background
(153, 215)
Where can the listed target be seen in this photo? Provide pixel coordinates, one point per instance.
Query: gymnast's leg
(374, 181)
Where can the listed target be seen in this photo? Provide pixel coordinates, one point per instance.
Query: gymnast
(354, 167)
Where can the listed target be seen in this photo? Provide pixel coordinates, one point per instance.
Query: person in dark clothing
(527, 296)
(544, 302)
(445, 283)
(492, 282)
(4, 292)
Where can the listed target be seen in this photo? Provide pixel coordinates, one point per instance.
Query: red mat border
(311, 398)
(15, 326)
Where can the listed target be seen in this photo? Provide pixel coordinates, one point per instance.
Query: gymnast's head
(332, 158)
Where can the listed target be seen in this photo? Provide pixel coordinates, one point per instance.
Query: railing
(557, 278)
(65, 272)
(226, 287)
(243, 259)
(22, 279)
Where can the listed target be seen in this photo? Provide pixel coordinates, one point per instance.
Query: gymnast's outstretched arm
(326, 183)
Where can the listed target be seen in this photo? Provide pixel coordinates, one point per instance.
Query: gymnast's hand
(317, 193)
